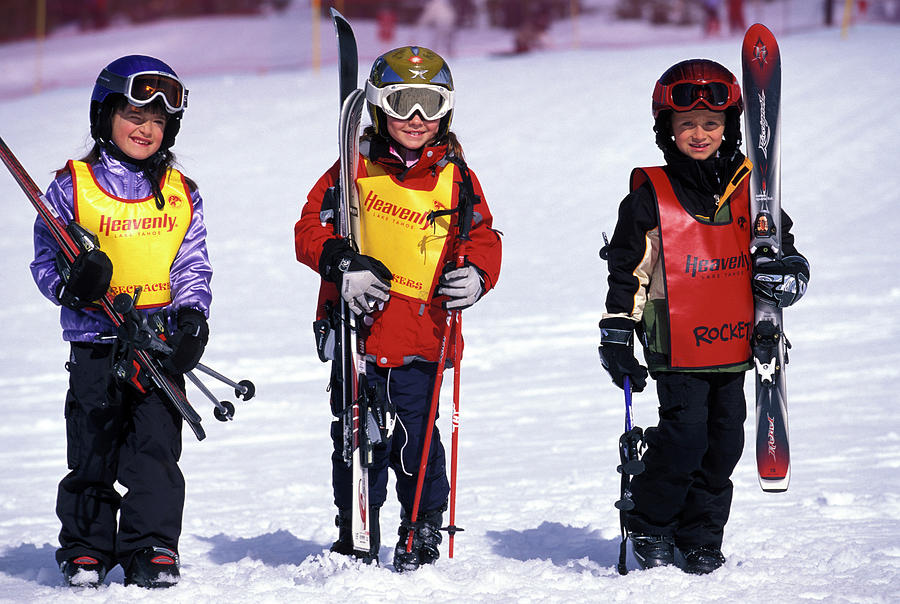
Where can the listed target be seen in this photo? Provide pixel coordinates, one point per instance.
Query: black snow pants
(114, 433)
(686, 490)
(409, 388)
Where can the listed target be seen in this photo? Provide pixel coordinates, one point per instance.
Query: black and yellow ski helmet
(407, 80)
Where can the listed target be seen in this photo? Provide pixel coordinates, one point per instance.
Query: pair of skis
(358, 451)
(355, 393)
(73, 239)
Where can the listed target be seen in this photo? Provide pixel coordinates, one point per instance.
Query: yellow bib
(395, 229)
(141, 240)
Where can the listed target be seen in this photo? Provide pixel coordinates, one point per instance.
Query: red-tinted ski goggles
(143, 87)
(401, 101)
(687, 95)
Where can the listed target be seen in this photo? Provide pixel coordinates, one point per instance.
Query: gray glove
(364, 282)
(463, 286)
(364, 291)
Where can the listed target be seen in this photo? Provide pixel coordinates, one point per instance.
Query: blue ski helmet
(141, 80)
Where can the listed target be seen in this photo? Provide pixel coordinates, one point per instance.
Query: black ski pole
(629, 453)
(224, 410)
(243, 389)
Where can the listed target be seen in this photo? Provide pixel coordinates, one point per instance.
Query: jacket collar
(377, 150)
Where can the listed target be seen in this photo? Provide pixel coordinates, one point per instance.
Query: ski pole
(622, 503)
(627, 385)
(224, 410)
(452, 529)
(243, 389)
(629, 447)
(452, 316)
(426, 445)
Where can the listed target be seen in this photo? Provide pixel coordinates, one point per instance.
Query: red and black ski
(761, 61)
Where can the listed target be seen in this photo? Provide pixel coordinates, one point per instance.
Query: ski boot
(651, 551)
(702, 560)
(153, 567)
(344, 543)
(426, 538)
(83, 571)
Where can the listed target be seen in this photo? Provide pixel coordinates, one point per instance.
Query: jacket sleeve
(43, 268)
(191, 271)
(787, 237)
(484, 250)
(309, 232)
(632, 255)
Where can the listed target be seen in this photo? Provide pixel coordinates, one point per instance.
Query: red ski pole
(426, 445)
(452, 529)
(432, 413)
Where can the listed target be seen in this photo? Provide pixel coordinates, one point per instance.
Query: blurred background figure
(531, 33)
(439, 16)
(466, 13)
(736, 22)
(712, 26)
(387, 23)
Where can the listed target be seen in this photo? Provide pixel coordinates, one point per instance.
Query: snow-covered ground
(552, 137)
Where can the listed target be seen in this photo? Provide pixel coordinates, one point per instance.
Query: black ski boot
(426, 539)
(153, 567)
(83, 571)
(344, 543)
(702, 560)
(651, 551)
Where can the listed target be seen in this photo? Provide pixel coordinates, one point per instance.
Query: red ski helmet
(692, 84)
(696, 83)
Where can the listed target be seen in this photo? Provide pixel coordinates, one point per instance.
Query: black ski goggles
(684, 96)
(143, 87)
(401, 101)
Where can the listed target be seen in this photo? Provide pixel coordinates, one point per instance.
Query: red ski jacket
(406, 329)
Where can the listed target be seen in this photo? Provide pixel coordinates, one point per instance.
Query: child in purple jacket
(149, 221)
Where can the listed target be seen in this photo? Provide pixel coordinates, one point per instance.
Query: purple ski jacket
(190, 273)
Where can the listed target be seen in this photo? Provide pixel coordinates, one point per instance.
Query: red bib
(707, 277)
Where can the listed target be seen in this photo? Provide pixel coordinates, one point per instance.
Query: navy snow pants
(685, 491)
(114, 433)
(409, 388)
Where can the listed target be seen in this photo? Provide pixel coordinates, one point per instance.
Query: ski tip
(757, 28)
(338, 19)
(758, 35)
(760, 55)
(769, 489)
(775, 485)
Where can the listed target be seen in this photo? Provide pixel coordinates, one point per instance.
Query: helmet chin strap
(148, 166)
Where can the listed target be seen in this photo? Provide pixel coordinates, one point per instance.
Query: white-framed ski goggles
(143, 87)
(401, 101)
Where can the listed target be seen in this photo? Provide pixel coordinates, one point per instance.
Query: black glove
(86, 280)
(781, 282)
(463, 286)
(363, 281)
(617, 353)
(187, 342)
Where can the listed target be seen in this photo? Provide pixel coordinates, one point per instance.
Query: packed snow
(552, 137)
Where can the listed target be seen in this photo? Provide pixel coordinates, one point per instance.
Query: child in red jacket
(410, 165)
